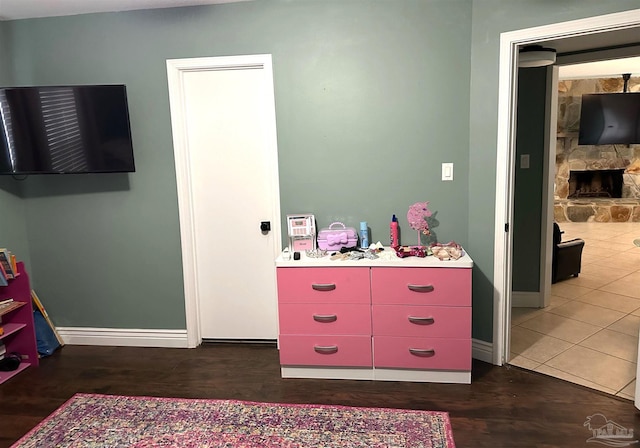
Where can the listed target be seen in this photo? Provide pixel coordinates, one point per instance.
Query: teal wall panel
(13, 227)
(527, 210)
(371, 98)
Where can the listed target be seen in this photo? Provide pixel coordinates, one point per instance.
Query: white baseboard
(482, 350)
(123, 337)
(178, 339)
(526, 299)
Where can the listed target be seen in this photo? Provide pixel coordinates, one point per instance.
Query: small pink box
(337, 236)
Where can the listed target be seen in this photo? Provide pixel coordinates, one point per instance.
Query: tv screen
(65, 130)
(610, 119)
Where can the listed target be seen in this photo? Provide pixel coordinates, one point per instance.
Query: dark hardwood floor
(503, 407)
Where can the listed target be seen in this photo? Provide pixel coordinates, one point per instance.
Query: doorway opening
(580, 32)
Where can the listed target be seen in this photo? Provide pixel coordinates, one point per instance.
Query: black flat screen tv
(610, 119)
(65, 130)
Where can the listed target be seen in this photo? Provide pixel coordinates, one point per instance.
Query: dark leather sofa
(567, 256)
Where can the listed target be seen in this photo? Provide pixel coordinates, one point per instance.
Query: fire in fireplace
(595, 184)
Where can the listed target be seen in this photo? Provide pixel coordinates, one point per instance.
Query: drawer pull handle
(422, 352)
(325, 318)
(422, 320)
(325, 349)
(324, 286)
(420, 288)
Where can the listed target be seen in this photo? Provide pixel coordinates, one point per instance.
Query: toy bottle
(364, 235)
(393, 232)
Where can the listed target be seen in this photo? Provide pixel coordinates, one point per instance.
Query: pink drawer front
(422, 353)
(324, 318)
(422, 321)
(323, 285)
(421, 286)
(345, 351)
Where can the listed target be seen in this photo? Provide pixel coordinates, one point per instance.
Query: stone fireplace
(595, 184)
(598, 183)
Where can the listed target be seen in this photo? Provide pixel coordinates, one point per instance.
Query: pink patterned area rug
(89, 420)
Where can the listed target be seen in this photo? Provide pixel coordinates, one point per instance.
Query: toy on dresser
(337, 236)
(302, 232)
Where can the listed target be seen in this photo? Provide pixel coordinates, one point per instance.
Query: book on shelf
(9, 306)
(7, 266)
(3, 277)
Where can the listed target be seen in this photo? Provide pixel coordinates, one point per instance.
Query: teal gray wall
(371, 98)
(390, 88)
(13, 228)
(527, 203)
(5, 55)
(490, 18)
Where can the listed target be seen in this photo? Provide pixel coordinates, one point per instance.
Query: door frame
(176, 69)
(510, 42)
(548, 179)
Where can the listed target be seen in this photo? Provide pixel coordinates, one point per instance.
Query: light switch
(447, 171)
(524, 161)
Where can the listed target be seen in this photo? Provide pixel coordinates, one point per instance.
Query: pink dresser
(386, 319)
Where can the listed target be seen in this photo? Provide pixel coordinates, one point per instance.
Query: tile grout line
(617, 240)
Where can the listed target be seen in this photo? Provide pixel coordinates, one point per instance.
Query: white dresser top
(387, 258)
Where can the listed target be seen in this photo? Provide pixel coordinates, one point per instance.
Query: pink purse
(337, 236)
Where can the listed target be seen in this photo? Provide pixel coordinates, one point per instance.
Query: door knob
(265, 226)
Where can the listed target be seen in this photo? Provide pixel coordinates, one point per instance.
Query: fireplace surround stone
(598, 158)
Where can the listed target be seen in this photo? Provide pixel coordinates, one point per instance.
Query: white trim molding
(482, 350)
(123, 337)
(526, 299)
(128, 337)
(507, 79)
(377, 374)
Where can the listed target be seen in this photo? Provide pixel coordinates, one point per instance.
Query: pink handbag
(337, 236)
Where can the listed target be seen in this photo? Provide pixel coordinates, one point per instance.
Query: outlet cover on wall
(447, 171)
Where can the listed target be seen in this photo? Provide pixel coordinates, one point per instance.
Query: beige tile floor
(589, 333)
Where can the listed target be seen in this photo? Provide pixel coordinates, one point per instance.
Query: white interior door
(228, 161)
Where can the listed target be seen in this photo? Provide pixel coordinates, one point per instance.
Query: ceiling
(611, 68)
(577, 48)
(27, 9)
(607, 54)
(579, 44)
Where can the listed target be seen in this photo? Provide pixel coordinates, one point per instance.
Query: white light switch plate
(447, 171)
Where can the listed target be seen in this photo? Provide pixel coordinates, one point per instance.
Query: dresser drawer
(421, 286)
(325, 318)
(323, 285)
(346, 351)
(422, 321)
(422, 353)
